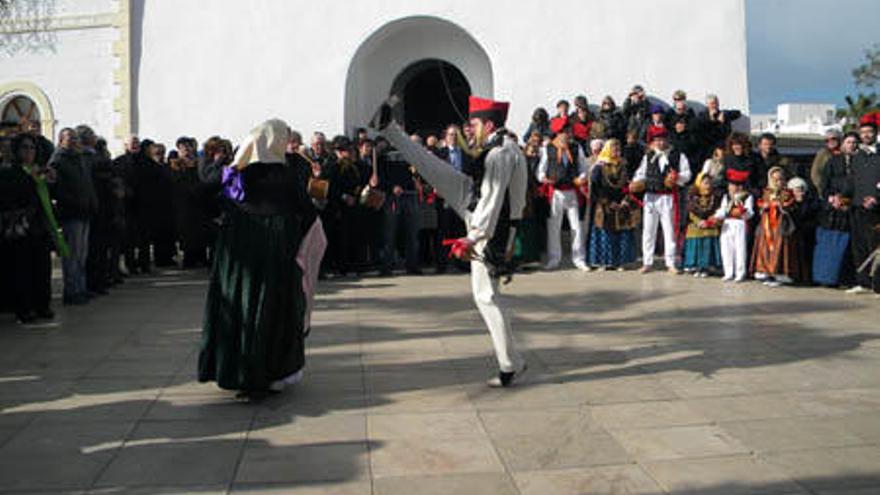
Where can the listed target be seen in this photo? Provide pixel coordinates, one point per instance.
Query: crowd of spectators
(615, 173)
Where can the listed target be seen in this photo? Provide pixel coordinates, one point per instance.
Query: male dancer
(491, 204)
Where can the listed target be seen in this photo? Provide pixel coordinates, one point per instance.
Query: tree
(858, 106)
(867, 75)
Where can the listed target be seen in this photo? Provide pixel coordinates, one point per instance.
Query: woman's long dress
(612, 241)
(702, 249)
(776, 251)
(832, 262)
(253, 329)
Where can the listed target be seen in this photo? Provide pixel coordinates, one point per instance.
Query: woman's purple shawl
(233, 188)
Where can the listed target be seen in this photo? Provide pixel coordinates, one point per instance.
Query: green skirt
(252, 334)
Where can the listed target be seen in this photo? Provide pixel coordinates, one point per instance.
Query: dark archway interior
(435, 94)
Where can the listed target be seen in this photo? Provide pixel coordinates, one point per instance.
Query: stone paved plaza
(637, 385)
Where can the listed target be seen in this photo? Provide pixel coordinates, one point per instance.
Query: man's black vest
(654, 178)
(565, 173)
(497, 246)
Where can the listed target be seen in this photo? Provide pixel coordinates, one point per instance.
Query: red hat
(872, 119)
(484, 108)
(655, 132)
(737, 176)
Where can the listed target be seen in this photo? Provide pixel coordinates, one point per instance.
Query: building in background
(802, 119)
(163, 68)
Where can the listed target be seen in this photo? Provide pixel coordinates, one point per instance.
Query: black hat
(341, 143)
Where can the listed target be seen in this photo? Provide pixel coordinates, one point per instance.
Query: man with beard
(491, 203)
(865, 211)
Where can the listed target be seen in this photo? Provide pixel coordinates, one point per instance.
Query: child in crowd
(775, 256)
(737, 208)
(702, 251)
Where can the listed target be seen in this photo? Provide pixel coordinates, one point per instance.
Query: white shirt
(684, 167)
(505, 169)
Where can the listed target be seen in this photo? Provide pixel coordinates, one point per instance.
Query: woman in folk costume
(255, 316)
(805, 213)
(737, 209)
(702, 249)
(615, 213)
(562, 171)
(832, 257)
(775, 255)
(491, 203)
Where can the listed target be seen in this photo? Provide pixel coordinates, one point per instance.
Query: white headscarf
(266, 143)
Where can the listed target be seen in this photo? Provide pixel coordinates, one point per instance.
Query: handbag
(14, 224)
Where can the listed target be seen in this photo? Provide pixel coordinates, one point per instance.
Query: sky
(805, 50)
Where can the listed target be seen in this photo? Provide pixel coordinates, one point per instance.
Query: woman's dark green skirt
(252, 334)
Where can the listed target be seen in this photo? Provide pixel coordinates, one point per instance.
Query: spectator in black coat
(77, 202)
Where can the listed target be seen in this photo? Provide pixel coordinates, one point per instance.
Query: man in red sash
(661, 173)
(491, 202)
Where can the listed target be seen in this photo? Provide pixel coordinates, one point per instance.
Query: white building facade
(165, 68)
(799, 118)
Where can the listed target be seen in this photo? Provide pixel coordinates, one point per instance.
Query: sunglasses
(27, 147)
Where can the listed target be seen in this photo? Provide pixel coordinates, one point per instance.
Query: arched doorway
(392, 55)
(19, 109)
(20, 101)
(435, 94)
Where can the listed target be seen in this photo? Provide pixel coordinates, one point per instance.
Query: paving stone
(631, 380)
(738, 475)
(306, 488)
(770, 435)
(536, 453)
(307, 462)
(426, 425)
(49, 455)
(459, 483)
(831, 469)
(609, 480)
(427, 456)
(298, 430)
(682, 442)
(163, 453)
(647, 415)
(551, 422)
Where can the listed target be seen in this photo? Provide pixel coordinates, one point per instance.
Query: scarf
(46, 202)
(266, 143)
(607, 156)
(562, 148)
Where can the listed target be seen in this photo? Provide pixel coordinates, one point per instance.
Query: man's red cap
(484, 108)
(872, 118)
(655, 132)
(737, 176)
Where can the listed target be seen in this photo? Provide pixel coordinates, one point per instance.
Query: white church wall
(76, 76)
(83, 7)
(223, 69)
